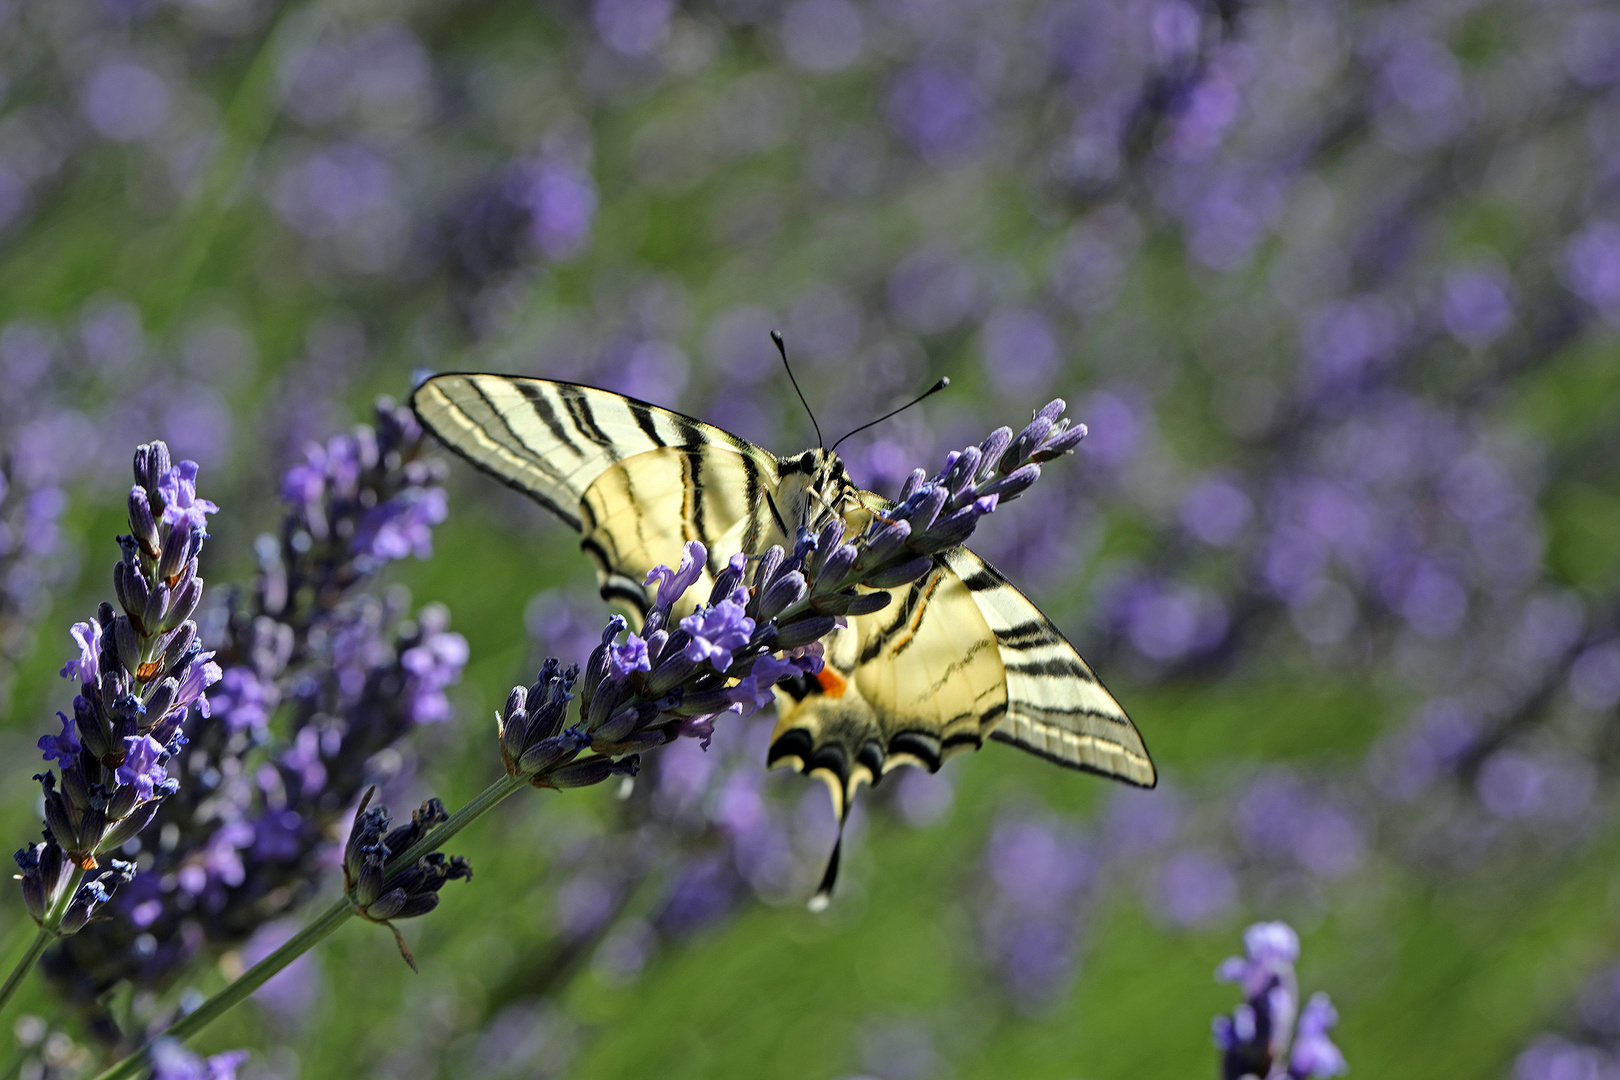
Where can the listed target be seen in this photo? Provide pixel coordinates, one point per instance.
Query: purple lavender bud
(162, 697)
(187, 595)
(950, 530)
(1014, 483)
(769, 563)
(631, 656)
(991, 449)
(64, 748)
(959, 480)
(617, 726)
(151, 462)
(672, 584)
(180, 646)
(754, 691)
(923, 507)
(884, 538)
(386, 906)
(129, 585)
(1064, 440)
(803, 631)
(143, 764)
(716, 633)
(1314, 1054)
(903, 573)
(513, 722)
(729, 580)
(592, 770)
(786, 590)
(549, 753)
(176, 551)
(828, 538)
(92, 894)
(86, 668)
(157, 606)
(913, 483)
(127, 644)
(122, 802)
(708, 702)
(57, 819)
(178, 489)
(1030, 439)
(44, 874)
(365, 833)
(141, 522)
(674, 669)
(657, 641)
(836, 566)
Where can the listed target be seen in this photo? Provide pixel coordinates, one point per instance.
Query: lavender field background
(1335, 286)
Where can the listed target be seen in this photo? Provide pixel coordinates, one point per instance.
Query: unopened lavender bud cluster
(381, 895)
(934, 513)
(140, 669)
(1260, 1038)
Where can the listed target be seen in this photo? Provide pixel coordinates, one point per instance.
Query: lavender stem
(42, 941)
(310, 936)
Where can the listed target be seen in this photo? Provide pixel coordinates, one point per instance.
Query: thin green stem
(42, 940)
(35, 949)
(307, 938)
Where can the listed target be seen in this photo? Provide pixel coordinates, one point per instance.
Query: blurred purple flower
(932, 291)
(1594, 677)
(125, 102)
(1551, 1057)
(1347, 338)
(1477, 304)
(1195, 888)
(1216, 510)
(939, 112)
(1592, 266)
(293, 991)
(433, 664)
(560, 197)
(1019, 353)
(328, 190)
(1515, 785)
(402, 526)
(172, 1061)
(821, 35)
(632, 27)
(243, 701)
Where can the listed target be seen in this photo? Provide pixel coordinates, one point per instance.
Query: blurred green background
(1334, 285)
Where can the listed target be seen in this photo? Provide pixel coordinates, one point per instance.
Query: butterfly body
(957, 657)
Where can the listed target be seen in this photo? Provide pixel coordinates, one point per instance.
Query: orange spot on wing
(832, 684)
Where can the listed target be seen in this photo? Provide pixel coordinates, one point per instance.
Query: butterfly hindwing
(914, 683)
(636, 480)
(1056, 705)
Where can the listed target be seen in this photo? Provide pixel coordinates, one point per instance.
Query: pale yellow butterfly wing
(637, 481)
(1056, 705)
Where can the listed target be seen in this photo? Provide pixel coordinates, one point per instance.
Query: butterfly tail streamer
(823, 897)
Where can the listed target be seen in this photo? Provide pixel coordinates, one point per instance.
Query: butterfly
(958, 656)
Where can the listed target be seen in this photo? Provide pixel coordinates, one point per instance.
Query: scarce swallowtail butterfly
(958, 656)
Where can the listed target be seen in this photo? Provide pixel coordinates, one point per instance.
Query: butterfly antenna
(781, 347)
(936, 388)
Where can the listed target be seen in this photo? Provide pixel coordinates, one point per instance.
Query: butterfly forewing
(636, 480)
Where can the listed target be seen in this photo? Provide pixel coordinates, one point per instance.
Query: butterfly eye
(807, 461)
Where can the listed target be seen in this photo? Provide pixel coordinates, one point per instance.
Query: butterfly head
(817, 487)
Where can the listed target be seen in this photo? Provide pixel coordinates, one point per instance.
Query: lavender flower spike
(1255, 1039)
(139, 671)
